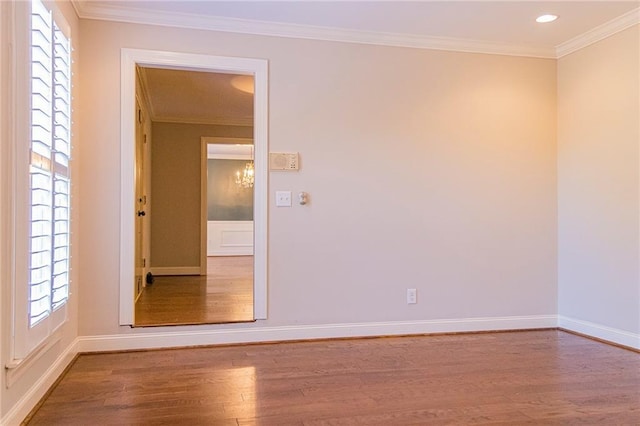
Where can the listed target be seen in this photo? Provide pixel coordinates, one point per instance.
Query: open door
(140, 204)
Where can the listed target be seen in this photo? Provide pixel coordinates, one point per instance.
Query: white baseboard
(177, 270)
(600, 331)
(23, 407)
(254, 333)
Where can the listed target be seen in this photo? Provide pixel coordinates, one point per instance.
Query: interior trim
(599, 33)
(212, 121)
(599, 331)
(253, 333)
(30, 398)
(120, 12)
(175, 270)
(130, 58)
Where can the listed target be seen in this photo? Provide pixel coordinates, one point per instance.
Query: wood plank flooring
(511, 378)
(225, 294)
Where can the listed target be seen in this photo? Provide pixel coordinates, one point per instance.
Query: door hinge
(144, 262)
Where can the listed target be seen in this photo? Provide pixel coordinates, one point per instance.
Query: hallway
(224, 295)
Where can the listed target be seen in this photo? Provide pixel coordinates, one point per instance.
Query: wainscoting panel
(229, 238)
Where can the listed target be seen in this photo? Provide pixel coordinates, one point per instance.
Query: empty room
(308, 212)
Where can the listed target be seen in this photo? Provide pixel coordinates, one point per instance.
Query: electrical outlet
(412, 296)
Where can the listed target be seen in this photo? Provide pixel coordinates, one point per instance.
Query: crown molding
(242, 122)
(77, 7)
(119, 12)
(599, 33)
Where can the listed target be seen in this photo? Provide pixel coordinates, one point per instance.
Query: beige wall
(175, 190)
(598, 162)
(426, 169)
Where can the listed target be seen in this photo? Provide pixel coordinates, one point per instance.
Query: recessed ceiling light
(546, 18)
(243, 83)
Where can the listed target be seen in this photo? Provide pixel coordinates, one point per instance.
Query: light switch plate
(283, 198)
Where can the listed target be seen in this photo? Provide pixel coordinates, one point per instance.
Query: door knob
(141, 213)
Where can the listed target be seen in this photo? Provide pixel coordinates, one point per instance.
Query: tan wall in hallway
(175, 190)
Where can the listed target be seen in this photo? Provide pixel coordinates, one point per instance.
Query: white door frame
(194, 62)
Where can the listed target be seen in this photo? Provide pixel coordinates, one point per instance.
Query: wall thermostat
(283, 161)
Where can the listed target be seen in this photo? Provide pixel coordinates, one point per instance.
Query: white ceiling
(414, 23)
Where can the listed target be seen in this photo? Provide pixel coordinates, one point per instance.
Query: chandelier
(245, 178)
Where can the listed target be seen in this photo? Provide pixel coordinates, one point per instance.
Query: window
(49, 166)
(48, 218)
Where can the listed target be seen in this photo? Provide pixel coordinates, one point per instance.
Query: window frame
(29, 340)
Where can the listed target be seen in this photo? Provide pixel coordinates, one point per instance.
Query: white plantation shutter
(49, 179)
(62, 152)
(40, 246)
(40, 166)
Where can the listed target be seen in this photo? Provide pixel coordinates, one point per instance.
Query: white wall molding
(600, 331)
(176, 270)
(229, 238)
(236, 122)
(599, 33)
(120, 12)
(31, 397)
(250, 334)
(228, 148)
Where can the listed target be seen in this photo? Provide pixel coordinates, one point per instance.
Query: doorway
(132, 58)
(223, 292)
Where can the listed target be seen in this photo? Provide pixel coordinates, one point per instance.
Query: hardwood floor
(225, 294)
(511, 378)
